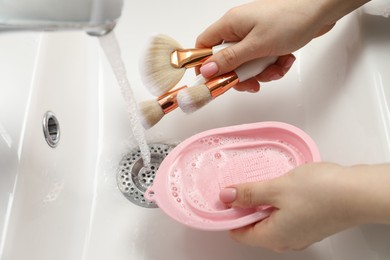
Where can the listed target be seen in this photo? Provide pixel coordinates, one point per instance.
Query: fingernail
(289, 62)
(276, 76)
(228, 195)
(254, 89)
(209, 69)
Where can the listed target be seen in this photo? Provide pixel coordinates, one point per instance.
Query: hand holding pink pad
(189, 180)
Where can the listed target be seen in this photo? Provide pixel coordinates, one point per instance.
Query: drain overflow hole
(51, 129)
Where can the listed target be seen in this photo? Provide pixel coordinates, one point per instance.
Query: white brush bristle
(193, 98)
(157, 73)
(150, 113)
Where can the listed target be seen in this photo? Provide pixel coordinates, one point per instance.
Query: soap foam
(204, 174)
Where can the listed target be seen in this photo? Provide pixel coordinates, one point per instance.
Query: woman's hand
(269, 28)
(311, 203)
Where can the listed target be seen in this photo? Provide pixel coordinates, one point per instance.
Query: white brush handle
(254, 67)
(222, 46)
(246, 71)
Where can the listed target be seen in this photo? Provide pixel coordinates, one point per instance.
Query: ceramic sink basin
(64, 202)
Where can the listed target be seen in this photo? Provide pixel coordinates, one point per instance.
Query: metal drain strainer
(134, 177)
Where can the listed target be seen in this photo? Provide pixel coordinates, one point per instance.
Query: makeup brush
(151, 111)
(198, 92)
(191, 99)
(164, 62)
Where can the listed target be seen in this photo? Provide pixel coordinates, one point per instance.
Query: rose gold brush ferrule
(221, 84)
(168, 101)
(189, 58)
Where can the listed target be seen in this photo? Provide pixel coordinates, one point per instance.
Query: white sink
(63, 203)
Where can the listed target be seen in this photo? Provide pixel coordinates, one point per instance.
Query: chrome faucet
(96, 17)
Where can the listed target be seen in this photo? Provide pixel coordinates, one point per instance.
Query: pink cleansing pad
(188, 181)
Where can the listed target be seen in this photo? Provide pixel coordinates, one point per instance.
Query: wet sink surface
(64, 203)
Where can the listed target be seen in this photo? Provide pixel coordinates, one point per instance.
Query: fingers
(250, 85)
(248, 235)
(265, 233)
(223, 29)
(325, 29)
(278, 70)
(226, 30)
(272, 72)
(261, 234)
(227, 59)
(249, 195)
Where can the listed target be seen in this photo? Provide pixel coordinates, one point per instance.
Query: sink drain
(51, 129)
(134, 177)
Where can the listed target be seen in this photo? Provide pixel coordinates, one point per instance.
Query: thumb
(226, 60)
(249, 195)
